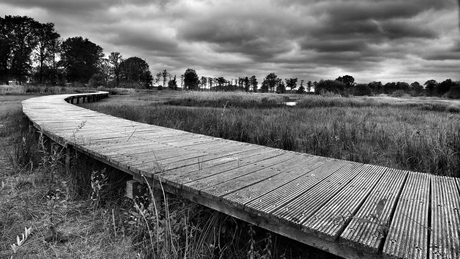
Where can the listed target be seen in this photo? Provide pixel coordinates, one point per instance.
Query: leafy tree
(204, 82)
(220, 81)
(47, 48)
(416, 88)
(247, 84)
(362, 90)
(97, 79)
(254, 83)
(172, 84)
(211, 82)
(136, 70)
(333, 86)
(291, 83)
(376, 87)
(309, 85)
(271, 81)
(454, 91)
(444, 87)
(80, 58)
(163, 75)
(348, 80)
(191, 80)
(281, 88)
(18, 39)
(301, 89)
(115, 60)
(430, 85)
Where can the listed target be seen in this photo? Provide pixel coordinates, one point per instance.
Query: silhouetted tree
(254, 83)
(271, 81)
(136, 70)
(430, 85)
(291, 83)
(281, 88)
(46, 50)
(333, 86)
(191, 80)
(18, 39)
(416, 88)
(172, 84)
(115, 60)
(80, 59)
(348, 80)
(444, 87)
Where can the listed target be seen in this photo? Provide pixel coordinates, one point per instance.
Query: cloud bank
(381, 40)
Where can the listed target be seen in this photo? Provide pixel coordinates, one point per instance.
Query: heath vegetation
(415, 134)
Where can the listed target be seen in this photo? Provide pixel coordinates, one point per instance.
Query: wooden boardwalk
(349, 209)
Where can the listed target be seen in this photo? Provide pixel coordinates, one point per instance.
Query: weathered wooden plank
(198, 163)
(228, 163)
(204, 166)
(272, 200)
(302, 207)
(140, 147)
(254, 191)
(240, 181)
(408, 232)
(222, 176)
(368, 228)
(445, 218)
(329, 221)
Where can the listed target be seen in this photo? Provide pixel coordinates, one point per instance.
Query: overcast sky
(372, 40)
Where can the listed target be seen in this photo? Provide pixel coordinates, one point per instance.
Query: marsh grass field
(416, 134)
(69, 221)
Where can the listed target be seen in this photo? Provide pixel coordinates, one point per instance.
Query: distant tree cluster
(32, 52)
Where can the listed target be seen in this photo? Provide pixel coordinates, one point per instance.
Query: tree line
(33, 52)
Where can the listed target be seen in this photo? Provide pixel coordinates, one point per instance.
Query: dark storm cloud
(231, 38)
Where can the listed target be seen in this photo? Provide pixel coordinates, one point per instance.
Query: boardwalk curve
(349, 209)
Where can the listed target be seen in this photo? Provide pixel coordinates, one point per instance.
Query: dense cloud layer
(383, 40)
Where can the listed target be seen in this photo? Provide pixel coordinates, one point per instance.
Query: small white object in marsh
(290, 103)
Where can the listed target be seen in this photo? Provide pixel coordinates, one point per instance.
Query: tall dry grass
(404, 136)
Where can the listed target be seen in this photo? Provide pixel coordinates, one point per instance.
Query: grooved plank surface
(257, 190)
(368, 227)
(445, 218)
(305, 205)
(408, 232)
(349, 209)
(331, 219)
